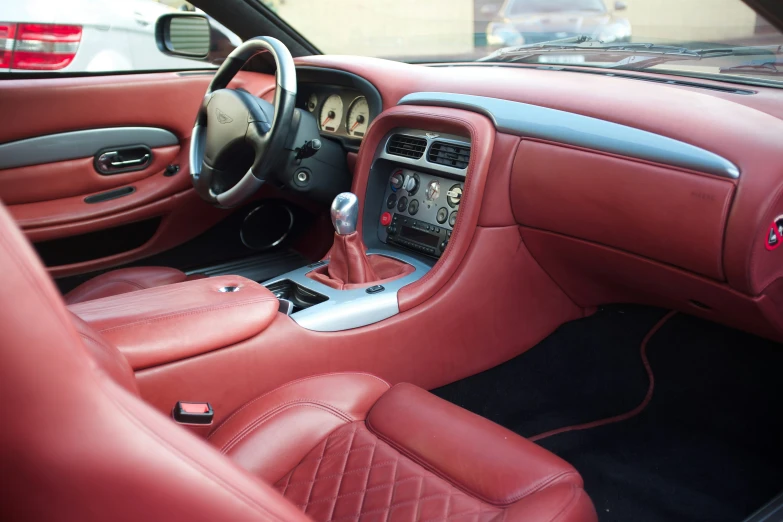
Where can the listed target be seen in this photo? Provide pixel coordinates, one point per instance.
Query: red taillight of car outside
(7, 33)
(42, 47)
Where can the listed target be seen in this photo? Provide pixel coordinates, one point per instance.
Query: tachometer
(358, 117)
(331, 113)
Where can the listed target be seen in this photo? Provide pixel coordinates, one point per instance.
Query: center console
(424, 176)
(410, 210)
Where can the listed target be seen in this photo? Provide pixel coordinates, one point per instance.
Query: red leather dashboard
(678, 224)
(630, 205)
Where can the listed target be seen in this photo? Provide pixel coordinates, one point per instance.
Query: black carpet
(708, 447)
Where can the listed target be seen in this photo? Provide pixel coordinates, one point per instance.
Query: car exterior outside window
(95, 36)
(467, 30)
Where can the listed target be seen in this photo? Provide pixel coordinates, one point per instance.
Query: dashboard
(609, 197)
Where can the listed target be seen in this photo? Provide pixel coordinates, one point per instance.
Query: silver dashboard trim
(422, 162)
(346, 309)
(79, 144)
(534, 121)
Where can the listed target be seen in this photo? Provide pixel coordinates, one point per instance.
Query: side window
(76, 36)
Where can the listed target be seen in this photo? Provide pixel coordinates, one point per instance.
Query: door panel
(57, 126)
(64, 179)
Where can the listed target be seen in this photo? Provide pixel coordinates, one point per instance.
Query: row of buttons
(415, 246)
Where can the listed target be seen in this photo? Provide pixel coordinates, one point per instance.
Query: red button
(385, 218)
(194, 407)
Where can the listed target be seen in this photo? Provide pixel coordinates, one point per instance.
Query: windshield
(522, 7)
(468, 30)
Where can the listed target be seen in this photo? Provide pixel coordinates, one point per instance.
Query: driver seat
(126, 280)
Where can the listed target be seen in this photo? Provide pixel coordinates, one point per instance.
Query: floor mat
(708, 445)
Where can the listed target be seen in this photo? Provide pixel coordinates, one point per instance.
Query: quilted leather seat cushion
(347, 447)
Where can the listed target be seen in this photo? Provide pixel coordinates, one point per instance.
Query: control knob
(397, 180)
(412, 184)
(454, 195)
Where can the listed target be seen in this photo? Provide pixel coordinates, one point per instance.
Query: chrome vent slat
(406, 146)
(449, 154)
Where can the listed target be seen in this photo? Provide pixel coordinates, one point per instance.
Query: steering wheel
(229, 120)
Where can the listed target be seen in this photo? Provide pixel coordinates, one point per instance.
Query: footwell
(703, 443)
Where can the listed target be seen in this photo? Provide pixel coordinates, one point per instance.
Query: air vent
(407, 146)
(449, 154)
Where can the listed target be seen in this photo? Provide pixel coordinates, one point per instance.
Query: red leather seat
(78, 443)
(125, 280)
(350, 447)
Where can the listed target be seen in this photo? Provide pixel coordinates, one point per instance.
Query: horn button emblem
(222, 117)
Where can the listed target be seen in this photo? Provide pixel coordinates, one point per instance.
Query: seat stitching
(395, 505)
(286, 385)
(381, 464)
(393, 489)
(283, 407)
(345, 466)
(194, 311)
(536, 486)
(369, 473)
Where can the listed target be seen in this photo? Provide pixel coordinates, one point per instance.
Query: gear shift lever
(345, 213)
(349, 267)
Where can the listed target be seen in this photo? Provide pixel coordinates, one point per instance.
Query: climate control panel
(420, 211)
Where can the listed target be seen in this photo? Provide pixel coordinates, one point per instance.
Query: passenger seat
(78, 443)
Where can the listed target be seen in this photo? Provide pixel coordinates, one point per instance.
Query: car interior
(318, 287)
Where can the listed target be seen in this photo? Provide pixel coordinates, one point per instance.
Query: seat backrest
(77, 442)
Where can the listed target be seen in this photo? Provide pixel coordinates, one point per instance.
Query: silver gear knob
(345, 213)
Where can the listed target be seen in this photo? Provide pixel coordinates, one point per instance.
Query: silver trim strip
(41, 46)
(79, 144)
(533, 121)
(346, 309)
(423, 162)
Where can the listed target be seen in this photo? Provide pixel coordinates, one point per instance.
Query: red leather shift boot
(348, 261)
(349, 267)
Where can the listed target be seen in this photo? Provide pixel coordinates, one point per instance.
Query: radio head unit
(420, 211)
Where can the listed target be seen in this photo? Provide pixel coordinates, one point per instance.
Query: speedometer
(331, 113)
(358, 117)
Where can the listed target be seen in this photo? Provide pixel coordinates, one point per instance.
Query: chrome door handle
(129, 163)
(123, 160)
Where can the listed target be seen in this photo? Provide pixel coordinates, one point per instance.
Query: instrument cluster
(340, 112)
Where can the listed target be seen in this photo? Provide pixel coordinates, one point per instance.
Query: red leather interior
(673, 216)
(593, 275)
(350, 267)
(462, 123)
(386, 269)
(160, 325)
(721, 122)
(348, 263)
(497, 284)
(65, 179)
(344, 446)
(85, 442)
(271, 434)
(122, 281)
(48, 200)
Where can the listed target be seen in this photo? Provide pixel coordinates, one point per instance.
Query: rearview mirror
(186, 35)
(620, 6)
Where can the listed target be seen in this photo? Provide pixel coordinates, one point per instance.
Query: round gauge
(358, 117)
(331, 113)
(312, 102)
(433, 191)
